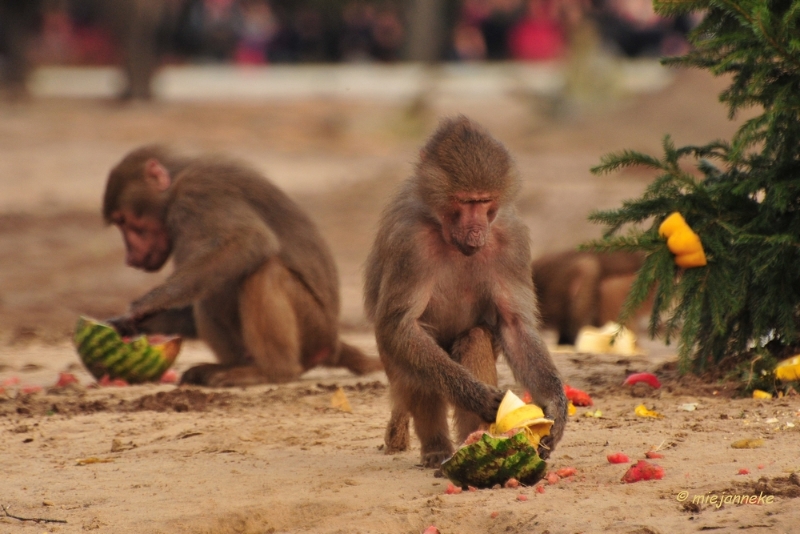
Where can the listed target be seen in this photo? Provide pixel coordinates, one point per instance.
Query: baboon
(581, 288)
(448, 286)
(261, 281)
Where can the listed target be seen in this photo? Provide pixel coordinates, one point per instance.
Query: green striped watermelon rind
(105, 353)
(494, 460)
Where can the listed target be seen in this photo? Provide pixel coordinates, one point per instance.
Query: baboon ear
(157, 174)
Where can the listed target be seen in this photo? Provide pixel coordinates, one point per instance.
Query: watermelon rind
(106, 354)
(494, 460)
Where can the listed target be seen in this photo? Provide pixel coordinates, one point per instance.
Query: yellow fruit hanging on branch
(683, 242)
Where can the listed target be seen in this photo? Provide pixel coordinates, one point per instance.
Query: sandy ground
(161, 459)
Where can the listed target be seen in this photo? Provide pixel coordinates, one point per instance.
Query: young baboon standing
(581, 288)
(448, 286)
(261, 281)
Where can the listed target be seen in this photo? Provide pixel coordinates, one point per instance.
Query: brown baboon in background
(577, 288)
(262, 282)
(448, 286)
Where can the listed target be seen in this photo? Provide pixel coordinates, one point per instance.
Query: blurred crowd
(283, 31)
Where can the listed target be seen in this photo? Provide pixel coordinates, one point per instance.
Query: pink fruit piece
(511, 483)
(452, 490)
(643, 470)
(618, 458)
(652, 455)
(431, 530)
(552, 478)
(565, 472)
(743, 471)
(65, 379)
(647, 378)
(539, 488)
(522, 497)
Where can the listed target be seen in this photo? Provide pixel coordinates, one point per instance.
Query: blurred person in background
(209, 30)
(259, 27)
(633, 29)
(19, 24)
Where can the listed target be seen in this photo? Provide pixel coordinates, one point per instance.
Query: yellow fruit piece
(642, 411)
(684, 241)
(695, 259)
(509, 403)
(571, 408)
(596, 414)
(672, 223)
(748, 444)
(789, 369)
(612, 338)
(339, 401)
(758, 394)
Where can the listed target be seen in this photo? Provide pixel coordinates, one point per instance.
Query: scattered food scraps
(593, 413)
(578, 397)
(511, 483)
(653, 455)
(642, 411)
(571, 408)
(689, 406)
(618, 458)
(13, 381)
(539, 488)
(552, 478)
(522, 498)
(747, 444)
(431, 530)
(28, 390)
(758, 394)
(743, 471)
(648, 378)
(643, 470)
(339, 401)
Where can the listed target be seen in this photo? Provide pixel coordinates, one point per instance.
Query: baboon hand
(491, 403)
(125, 325)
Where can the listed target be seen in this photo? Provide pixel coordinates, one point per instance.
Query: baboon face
(467, 221)
(147, 242)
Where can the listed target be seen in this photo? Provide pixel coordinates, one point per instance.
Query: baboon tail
(354, 360)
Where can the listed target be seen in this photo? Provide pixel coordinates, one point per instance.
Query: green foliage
(741, 197)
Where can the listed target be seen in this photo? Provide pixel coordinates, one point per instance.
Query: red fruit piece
(431, 530)
(648, 378)
(539, 488)
(578, 397)
(65, 379)
(27, 390)
(511, 483)
(618, 458)
(565, 472)
(452, 490)
(494, 515)
(743, 471)
(13, 381)
(643, 470)
(522, 497)
(552, 478)
(652, 455)
(472, 488)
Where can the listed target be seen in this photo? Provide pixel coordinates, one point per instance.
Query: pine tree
(743, 200)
